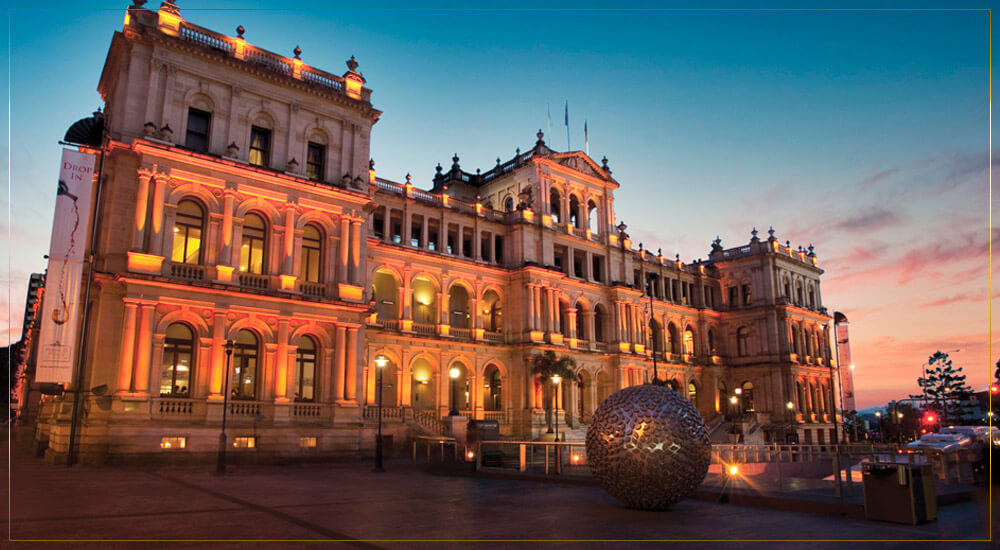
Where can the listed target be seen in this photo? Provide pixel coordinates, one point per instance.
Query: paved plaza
(405, 507)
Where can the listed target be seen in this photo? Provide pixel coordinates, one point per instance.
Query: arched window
(458, 305)
(424, 302)
(178, 361)
(743, 341)
(554, 204)
(508, 205)
(493, 400)
(673, 341)
(689, 341)
(581, 322)
(674, 384)
(812, 298)
(746, 397)
(492, 312)
(788, 291)
(600, 317)
(385, 292)
(188, 229)
(711, 341)
(312, 254)
(574, 211)
(592, 217)
(253, 245)
(305, 369)
(692, 392)
(723, 402)
(245, 362)
(656, 335)
(798, 294)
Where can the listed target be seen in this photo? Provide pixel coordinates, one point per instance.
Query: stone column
(156, 225)
(323, 384)
(143, 348)
(424, 239)
(460, 244)
(126, 361)
(571, 321)
(351, 365)
(356, 252)
(407, 301)
(345, 247)
(141, 211)
(589, 317)
(226, 257)
(281, 363)
(289, 248)
(218, 365)
(338, 366)
(531, 307)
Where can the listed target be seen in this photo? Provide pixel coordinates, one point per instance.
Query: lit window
(260, 146)
(187, 233)
(245, 442)
(689, 342)
(307, 442)
(244, 384)
(305, 362)
(173, 442)
(252, 244)
(175, 371)
(312, 252)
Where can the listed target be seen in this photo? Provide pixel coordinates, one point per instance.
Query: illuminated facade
(239, 205)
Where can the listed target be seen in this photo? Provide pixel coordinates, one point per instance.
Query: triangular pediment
(579, 161)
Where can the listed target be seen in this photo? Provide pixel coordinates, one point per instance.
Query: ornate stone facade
(239, 203)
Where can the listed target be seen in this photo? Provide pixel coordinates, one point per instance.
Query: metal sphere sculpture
(648, 446)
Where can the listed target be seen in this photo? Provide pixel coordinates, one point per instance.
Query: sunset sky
(864, 133)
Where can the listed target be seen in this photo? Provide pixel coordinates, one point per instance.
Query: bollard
(521, 452)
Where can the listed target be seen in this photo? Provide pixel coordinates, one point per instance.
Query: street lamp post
(555, 402)
(453, 373)
(881, 434)
(380, 363)
(220, 466)
(653, 335)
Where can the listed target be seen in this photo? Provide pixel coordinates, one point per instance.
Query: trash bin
(899, 493)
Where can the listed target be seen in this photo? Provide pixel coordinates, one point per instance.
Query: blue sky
(865, 133)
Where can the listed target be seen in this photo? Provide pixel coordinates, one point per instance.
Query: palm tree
(548, 365)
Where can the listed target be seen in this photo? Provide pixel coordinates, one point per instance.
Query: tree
(945, 390)
(546, 366)
(899, 422)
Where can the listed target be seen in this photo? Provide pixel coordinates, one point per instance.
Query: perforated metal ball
(648, 446)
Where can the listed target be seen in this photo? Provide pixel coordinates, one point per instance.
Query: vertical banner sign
(60, 315)
(846, 376)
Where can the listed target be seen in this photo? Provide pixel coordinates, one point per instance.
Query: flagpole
(568, 148)
(586, 139)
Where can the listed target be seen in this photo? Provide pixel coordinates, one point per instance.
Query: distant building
(240, 205)
(22, 402)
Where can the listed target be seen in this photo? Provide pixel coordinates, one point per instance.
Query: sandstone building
(239, 204)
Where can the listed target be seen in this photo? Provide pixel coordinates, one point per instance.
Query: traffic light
(929, 418)
(994, 389)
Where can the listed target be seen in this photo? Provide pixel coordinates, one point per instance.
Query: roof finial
(753, 235)
(438, 168)
(407, 177)
(540, 135)
(297, 51)
(352, 63)
(239, 32)
(517, 152)
(498, 161)
(659, 252)
(454, 161)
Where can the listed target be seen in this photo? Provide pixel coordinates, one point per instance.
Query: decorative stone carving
(648, 447)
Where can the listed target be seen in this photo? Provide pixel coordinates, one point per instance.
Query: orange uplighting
(225, 272)
(576, 459)
(444, 329)
(470, 455)
(546, 220)
(287, 282)
(528, 215)
(733, 470)
(350, 292)
(353, 88)
(145, 263)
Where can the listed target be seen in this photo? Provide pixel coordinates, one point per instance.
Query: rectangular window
(245, 442)
(484, 246)
(260, 146)
(315, 155)
(416, 228)
(307, 442)
(173, 442)
(498, 249)
(378, 223)
(197, 130)
(596, 269)
(733, 297)
(747, 298)
(432, 234)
